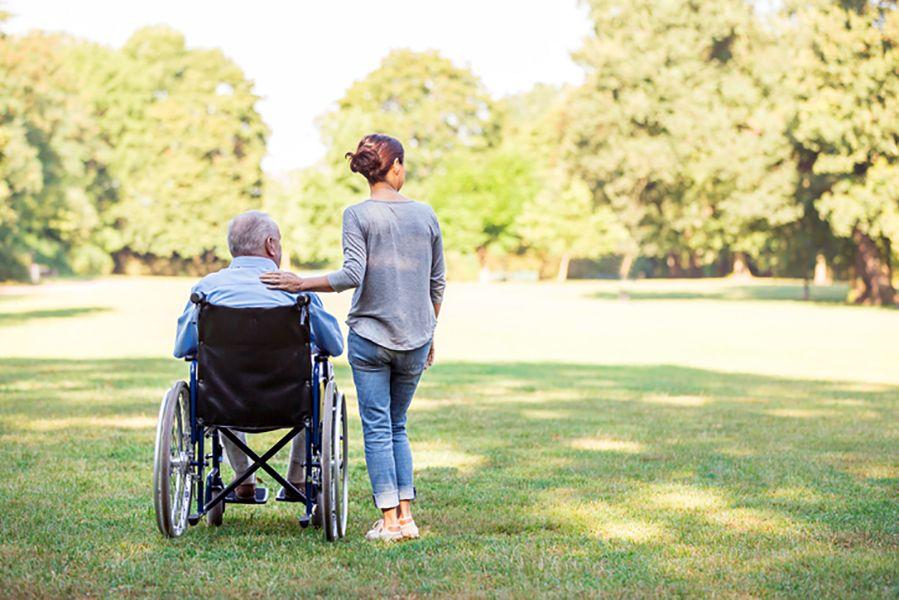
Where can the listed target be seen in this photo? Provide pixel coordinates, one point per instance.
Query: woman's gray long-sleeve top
(393, 256)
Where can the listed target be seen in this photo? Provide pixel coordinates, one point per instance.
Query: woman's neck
(384, 191)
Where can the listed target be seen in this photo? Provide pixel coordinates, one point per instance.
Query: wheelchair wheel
(334, 471)
(173, 482)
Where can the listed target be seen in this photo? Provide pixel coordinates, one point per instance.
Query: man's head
(254, 233)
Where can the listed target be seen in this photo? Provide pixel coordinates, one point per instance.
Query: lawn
(698, 438)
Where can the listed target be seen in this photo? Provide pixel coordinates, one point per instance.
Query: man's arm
(186, 335)
(326, 334)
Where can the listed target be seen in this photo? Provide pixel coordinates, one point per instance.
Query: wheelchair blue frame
(322, 373)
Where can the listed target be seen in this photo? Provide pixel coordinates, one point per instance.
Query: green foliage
(563, 219)
(480, 196)
(848, 115)
(679, 127)
(703, 130)
(424, 100)
(51, 169)
(188, 145)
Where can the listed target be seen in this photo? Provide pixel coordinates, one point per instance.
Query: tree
(52, 173)
(442, 114)
(479, 197)
(188, 144)
(846, 130)
(678, 128)
(562, 220)
(434, 107)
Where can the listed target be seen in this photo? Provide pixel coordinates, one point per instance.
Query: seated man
(255, 243)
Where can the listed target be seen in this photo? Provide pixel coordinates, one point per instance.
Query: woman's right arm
(355, 256)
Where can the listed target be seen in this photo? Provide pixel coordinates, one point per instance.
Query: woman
(393, 256)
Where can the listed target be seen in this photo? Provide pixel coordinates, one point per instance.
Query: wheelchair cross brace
(259, 462)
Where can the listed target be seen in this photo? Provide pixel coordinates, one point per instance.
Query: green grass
(536, 476)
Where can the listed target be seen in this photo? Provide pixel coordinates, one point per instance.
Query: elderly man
(255, 243)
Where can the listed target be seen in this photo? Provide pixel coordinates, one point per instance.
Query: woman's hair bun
(375, 156)
(365, 161)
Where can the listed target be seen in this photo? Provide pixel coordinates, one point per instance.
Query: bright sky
(303, 55)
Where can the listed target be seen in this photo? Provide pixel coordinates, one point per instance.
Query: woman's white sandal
(379, 532)
(409, 529)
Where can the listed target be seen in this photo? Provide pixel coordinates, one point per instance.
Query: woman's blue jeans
(385, 383)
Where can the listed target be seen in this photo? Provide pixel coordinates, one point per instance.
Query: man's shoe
(245, 491)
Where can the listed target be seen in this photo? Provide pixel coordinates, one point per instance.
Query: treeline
(114, 159)
(706, 138)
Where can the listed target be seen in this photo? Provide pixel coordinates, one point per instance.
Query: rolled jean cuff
(407, 493)
(386, 499)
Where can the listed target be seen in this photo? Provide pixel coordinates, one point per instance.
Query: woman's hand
(430, 360)
(282, 280)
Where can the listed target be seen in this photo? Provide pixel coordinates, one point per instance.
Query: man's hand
(430, 360)
(282, 280)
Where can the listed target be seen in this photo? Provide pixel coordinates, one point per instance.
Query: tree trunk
(562, 276)
(674, 267)
(822, 272)
(695, 267)
(741, 266)
(874, 271)
(484, 276)
(627, 262)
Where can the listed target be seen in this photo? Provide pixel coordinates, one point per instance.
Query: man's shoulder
(213, 280)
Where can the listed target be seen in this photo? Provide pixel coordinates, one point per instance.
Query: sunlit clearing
(749, 520)
(676, 400)
(875, 471)
(631, 531)
(436, 455)
(603, 520)
(89, 422)
(800, 413)
(684, 498)
(603, 444)
(543, 414)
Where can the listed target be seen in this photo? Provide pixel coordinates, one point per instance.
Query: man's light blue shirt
(238, 286)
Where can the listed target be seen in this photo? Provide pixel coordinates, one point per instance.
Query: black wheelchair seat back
(254, 366)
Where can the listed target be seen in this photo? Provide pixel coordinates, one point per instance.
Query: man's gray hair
(248, 231)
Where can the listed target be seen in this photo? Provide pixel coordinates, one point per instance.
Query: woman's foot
(380, 532)
(408, 528)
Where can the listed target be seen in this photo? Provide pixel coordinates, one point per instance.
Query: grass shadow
(533, 478)
(8, 319)
(832, 294)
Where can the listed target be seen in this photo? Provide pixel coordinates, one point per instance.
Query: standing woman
(393, 256)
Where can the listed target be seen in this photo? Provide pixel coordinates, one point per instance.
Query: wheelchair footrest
(261, 497)
(283, 496)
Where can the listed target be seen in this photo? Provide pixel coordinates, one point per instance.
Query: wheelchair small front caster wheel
(304, 521)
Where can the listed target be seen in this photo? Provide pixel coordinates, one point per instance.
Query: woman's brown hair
(374, 156)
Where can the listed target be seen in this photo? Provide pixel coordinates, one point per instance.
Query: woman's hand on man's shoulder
(282, 280)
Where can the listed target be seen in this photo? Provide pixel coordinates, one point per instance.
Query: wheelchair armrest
(321, 357)
(190, 358)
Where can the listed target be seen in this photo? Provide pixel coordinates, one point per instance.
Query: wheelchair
(253, 372)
